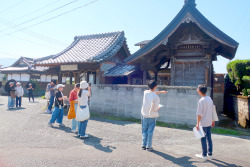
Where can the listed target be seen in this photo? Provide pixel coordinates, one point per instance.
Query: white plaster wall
(43, 78)
(54, 77)
(48, 78)
(63, 79)
(16, 77)
(25, 77)
(9, 77)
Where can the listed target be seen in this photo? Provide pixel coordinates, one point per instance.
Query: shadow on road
(65, 129)
(179, 161)
(96, 143)
(185, 161)
(106, 120)
(222, 163)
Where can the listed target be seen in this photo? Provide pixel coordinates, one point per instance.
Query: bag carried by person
(214, 114)
(12, 94)
(47, 95)
(72, 112)
(82, 113)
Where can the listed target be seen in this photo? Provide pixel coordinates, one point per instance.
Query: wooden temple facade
(182, 54)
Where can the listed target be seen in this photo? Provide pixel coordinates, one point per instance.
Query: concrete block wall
(180, 103)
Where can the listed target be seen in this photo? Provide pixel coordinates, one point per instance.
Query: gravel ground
(26, 140)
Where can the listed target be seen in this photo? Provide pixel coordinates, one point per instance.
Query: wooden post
(129, 80)
(144, 77)
(70, 81)
(172, 76)
(60, 77)
(156, 76)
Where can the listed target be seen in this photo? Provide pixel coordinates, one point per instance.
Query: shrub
(239, 74)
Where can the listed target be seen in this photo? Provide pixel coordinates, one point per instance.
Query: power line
(35, 34)
(11, 7)
(37, 10)
(51, 18)
(18, 25)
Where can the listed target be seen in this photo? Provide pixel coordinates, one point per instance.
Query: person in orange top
(73, 96)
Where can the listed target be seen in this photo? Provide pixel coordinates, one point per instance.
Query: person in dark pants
(30, 92)
(205, 120)
(50, 88)
(19, 94)
(11, 99)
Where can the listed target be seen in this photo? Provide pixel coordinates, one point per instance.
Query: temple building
(183, 53)
(23, 70)
(89, 57)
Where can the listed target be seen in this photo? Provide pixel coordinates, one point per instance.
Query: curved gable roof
(89, 48)
(189, 13)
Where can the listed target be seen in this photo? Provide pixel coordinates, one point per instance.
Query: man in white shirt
(19, 94)
(149, 113)
(205, 119)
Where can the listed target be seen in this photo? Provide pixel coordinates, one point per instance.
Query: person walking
(11, 98)
(84, 93)
(73, 96)
(30, 91)
(149, 112)
(205, 119)
(19, 94)
(57, 114)
(50, 88)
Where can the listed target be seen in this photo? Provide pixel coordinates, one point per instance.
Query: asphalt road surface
(26, 140)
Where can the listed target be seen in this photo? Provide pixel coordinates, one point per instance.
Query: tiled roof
(190, 13)
(19, 69)
(142, 43)
(89, 48)
(120, 70)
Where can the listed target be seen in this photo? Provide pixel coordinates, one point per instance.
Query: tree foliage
(239, 74)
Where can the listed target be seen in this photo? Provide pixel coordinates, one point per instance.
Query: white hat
(11, 83)
(30, 84)
(84, 85)
(18, 83)
(60, 86)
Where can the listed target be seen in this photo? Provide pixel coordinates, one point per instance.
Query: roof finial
(190, 2)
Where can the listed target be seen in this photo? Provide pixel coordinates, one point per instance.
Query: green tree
(239, 73)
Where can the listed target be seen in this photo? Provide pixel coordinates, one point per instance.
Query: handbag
(72, 112)
(12, 94)
(214, 114)
(47, 95)
(82, 113)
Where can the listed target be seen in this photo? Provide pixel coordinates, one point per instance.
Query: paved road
(25, 140)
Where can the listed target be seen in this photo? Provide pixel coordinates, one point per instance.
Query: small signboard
(73, 67)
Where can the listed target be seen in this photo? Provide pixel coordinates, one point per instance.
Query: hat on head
(84, 85)
(60, 86)
(11, 83)
(18, 83)
(30, 84)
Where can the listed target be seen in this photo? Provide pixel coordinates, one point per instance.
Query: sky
(139, 19)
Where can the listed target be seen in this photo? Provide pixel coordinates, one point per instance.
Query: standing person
(84, 93)
(57, 114)
(50, 88)
(205, 119)
(74, 97)
(149, 113)
(19, 94)
(30, 91)
(11, 91)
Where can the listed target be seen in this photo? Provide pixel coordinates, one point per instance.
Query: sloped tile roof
(188, 13)
(142, 42)
(89, 48)
(21, 69)
(120, 70)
